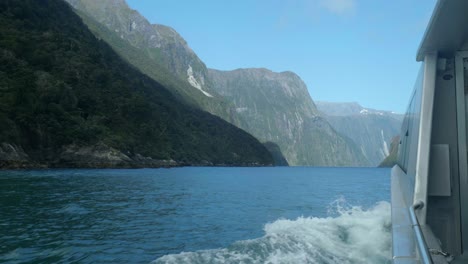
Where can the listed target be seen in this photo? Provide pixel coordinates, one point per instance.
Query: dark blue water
(196, 215)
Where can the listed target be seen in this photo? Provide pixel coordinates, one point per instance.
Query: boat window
(410, 130)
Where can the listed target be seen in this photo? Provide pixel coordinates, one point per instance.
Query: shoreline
(8, 165)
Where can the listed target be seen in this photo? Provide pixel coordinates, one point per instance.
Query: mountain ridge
(351, 108)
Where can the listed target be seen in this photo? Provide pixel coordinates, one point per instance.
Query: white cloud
(339, 7)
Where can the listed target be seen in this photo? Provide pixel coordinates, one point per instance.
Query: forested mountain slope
(67, 99)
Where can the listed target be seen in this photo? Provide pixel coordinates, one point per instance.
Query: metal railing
(421, 243)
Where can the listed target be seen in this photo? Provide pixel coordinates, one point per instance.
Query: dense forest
(61, 86)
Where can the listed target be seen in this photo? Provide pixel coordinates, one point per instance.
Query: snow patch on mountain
(191, 79)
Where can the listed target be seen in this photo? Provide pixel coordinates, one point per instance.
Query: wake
(349, 235)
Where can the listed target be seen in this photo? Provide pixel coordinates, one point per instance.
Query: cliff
(277, 107)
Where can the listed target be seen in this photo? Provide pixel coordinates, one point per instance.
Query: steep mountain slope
(157, 50)
(372, 130)
(278, 108)
(158, 41)
(164, 55)
(67, 99)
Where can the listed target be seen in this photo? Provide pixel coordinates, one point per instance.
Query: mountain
(67, 99)
(278, 108)
(303, 136)
(159, 42)
(156, 50)
(372, 130)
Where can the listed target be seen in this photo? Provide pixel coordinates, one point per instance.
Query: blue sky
(344, 50)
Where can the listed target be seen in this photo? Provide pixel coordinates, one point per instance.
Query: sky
(344, 50)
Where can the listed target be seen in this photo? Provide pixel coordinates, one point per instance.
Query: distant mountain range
(371, 129)
(352, 109)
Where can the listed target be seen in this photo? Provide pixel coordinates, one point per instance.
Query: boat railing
(420, 241)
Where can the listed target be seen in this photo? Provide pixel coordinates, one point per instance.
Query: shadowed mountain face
(277, 107)
(275, 151)
(372, 130)
(69, 100)
(271, 106)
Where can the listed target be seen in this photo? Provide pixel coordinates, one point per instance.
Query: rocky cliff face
(13, 156)
(160, 43)
(278, 108)
(372, 130)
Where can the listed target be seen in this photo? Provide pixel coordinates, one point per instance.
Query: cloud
(299, 12)
(339, 7)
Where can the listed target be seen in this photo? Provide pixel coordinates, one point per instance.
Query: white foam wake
(353, 236)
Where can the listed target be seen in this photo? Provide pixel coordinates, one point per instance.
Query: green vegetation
(59, 85)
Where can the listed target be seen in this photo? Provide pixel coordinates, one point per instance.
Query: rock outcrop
(103, 156)
(13, 157)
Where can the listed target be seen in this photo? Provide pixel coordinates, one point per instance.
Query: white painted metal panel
(425, 129)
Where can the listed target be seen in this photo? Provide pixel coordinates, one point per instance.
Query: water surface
(196, 215)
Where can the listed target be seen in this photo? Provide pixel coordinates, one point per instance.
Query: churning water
(355, 236)
(196, 215)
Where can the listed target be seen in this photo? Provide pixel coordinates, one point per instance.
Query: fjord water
(196, 215)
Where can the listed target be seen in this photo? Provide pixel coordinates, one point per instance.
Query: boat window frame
(425, 132)
(462, 144)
